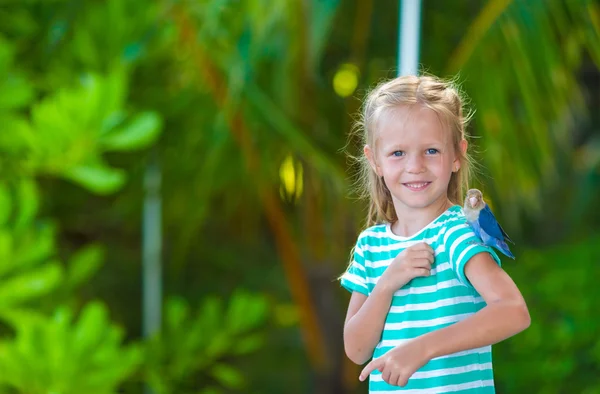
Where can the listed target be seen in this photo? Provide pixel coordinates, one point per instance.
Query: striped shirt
(427, 303)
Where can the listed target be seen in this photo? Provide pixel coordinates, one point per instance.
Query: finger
(421, 262)
(386, 374)
(372, 366)
(422, 246)
(423, 254)
(394, 378)
(402, 381)
(421, 272)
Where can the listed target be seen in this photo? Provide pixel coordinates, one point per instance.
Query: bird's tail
(503, 247)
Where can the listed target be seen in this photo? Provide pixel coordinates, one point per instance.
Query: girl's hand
(410, 263)
(398, 364)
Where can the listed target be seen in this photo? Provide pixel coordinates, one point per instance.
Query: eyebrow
(423, 146)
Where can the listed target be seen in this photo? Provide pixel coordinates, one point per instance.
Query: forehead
(413, 124)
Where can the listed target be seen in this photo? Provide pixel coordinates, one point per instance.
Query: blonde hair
(445, 99)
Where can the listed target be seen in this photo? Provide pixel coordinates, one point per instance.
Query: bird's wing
(489, 224)
(505, 236)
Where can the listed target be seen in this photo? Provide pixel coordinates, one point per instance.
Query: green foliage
(560, 352)
(202, 342)
(28, 268)
(83, 265)
(60, 355)
(531, 112)
(60, 124)
(71, 129)
(242, 86)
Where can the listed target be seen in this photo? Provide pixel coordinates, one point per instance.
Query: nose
(415, 164)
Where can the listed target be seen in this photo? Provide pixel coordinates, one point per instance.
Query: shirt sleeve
(355, 277)
(461, 244)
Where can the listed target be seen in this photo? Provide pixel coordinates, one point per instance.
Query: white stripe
(354, 279)
(462, 255)
(398, 245)
(441, 268)
(426, 323)
(375, 234)
(382, 233)
(428, 289)
(385, 262)
(427, 306)
(452, 371)
(357, 265)
(442, 372)
(454, 229)
(391, 343)
(358, 250)
(444, 389)
(456, 243)
(434, 271)
(479, 350)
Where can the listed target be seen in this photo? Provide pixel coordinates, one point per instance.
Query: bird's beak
(473, 201)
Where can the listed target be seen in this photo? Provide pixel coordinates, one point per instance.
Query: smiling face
(414, 154)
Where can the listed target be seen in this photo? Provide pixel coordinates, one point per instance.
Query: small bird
(484, 223)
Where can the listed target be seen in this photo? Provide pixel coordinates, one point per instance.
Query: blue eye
(432, 151)
(398, 153)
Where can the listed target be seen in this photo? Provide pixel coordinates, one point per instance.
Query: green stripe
(448, 221)
(421, 281)
(409, 333)
(444, 311)
(351, 286)
(450, 362)
(427, 281)
(441, 294)
(479, 390)
(414, 384)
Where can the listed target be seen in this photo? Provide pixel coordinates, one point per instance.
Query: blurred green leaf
(28, 203)
(5, 205)
(30, 284)
(34, 246)
(228, 376)
(249, 343)
(84, 264)
(15, 92)
(245, 312)
(98, 179)
(200, 342)
(139, 133)
(53, 355)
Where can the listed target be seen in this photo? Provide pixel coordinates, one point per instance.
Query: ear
(463, 151)
(371, 157)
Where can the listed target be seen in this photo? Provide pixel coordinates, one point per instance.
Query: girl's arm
(366, 316)
(364, 323)
(505, 315)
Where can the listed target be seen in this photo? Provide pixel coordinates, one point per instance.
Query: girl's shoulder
(452, 221)
(373, 234)
(454, 216)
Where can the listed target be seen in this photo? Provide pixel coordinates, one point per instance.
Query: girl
(428, 298)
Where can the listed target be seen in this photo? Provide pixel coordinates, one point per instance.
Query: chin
(419, 203)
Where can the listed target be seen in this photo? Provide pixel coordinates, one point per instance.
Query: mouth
(417, 186)
(474, 201)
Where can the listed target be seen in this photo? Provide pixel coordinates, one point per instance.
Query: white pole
(152, 251)
(408, 37)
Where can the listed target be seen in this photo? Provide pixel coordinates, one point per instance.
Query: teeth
(416, 185)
